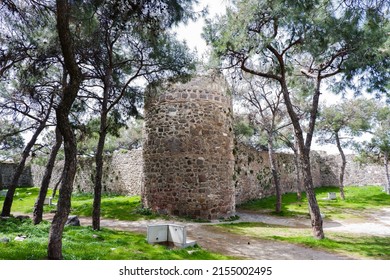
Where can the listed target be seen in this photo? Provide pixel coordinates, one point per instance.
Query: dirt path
(219, 241)
(377, 224)
(216, 240)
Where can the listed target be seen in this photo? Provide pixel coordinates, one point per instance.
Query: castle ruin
(189, 165)
(188, 149)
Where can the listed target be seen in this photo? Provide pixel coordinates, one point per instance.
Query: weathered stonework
(7, 171)
(122, 173)
(356, 174)
(188, 150)
(253, 178)
(189, 165)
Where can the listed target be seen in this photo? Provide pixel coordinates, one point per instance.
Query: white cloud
(191, 32)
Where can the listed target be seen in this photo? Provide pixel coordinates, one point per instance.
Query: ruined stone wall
(356, 174)
(188, 151)
(122, 173)
(253, 178)
(7, 171)
(37, 172)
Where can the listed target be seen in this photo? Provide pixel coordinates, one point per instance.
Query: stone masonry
(7, 171)
(253, 178)
(188, 150)
(356, 174)
(122, 173)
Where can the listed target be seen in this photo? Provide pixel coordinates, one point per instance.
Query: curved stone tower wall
(188, 150)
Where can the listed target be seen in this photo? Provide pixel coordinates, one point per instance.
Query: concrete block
(169, 234)
(332, 195)
(48, 201)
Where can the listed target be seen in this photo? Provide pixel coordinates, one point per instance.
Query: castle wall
(253, 178)
(189, 165)
(356, 174)
(188, 151)
(7, 171)
(122, 173)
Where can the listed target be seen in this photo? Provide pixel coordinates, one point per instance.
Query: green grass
(112, 206)
(110, 244)
(359, 200)
(102, 245)
(96, 245)
(353, 245)
(24, 200)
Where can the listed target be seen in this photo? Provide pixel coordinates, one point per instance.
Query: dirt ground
(243, 247)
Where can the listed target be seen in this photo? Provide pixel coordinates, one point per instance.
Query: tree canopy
(302, 45)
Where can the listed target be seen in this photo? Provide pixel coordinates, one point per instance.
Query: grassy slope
(113, 206)
(105, 244)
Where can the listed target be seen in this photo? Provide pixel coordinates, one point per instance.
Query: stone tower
(188, 149)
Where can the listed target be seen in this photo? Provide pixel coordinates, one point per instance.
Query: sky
(191, 33)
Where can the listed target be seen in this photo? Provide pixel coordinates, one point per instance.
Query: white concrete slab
(169, 233)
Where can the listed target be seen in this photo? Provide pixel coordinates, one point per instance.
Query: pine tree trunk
(298, 172)
(314, 210)
(69, 95)
(19, 169)
(99, 174)
(275, 175)
(38, 207)
(66, 187)
(56, 186)
(343, 165)
(100, 149)
(304, 152)
(386, 163)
